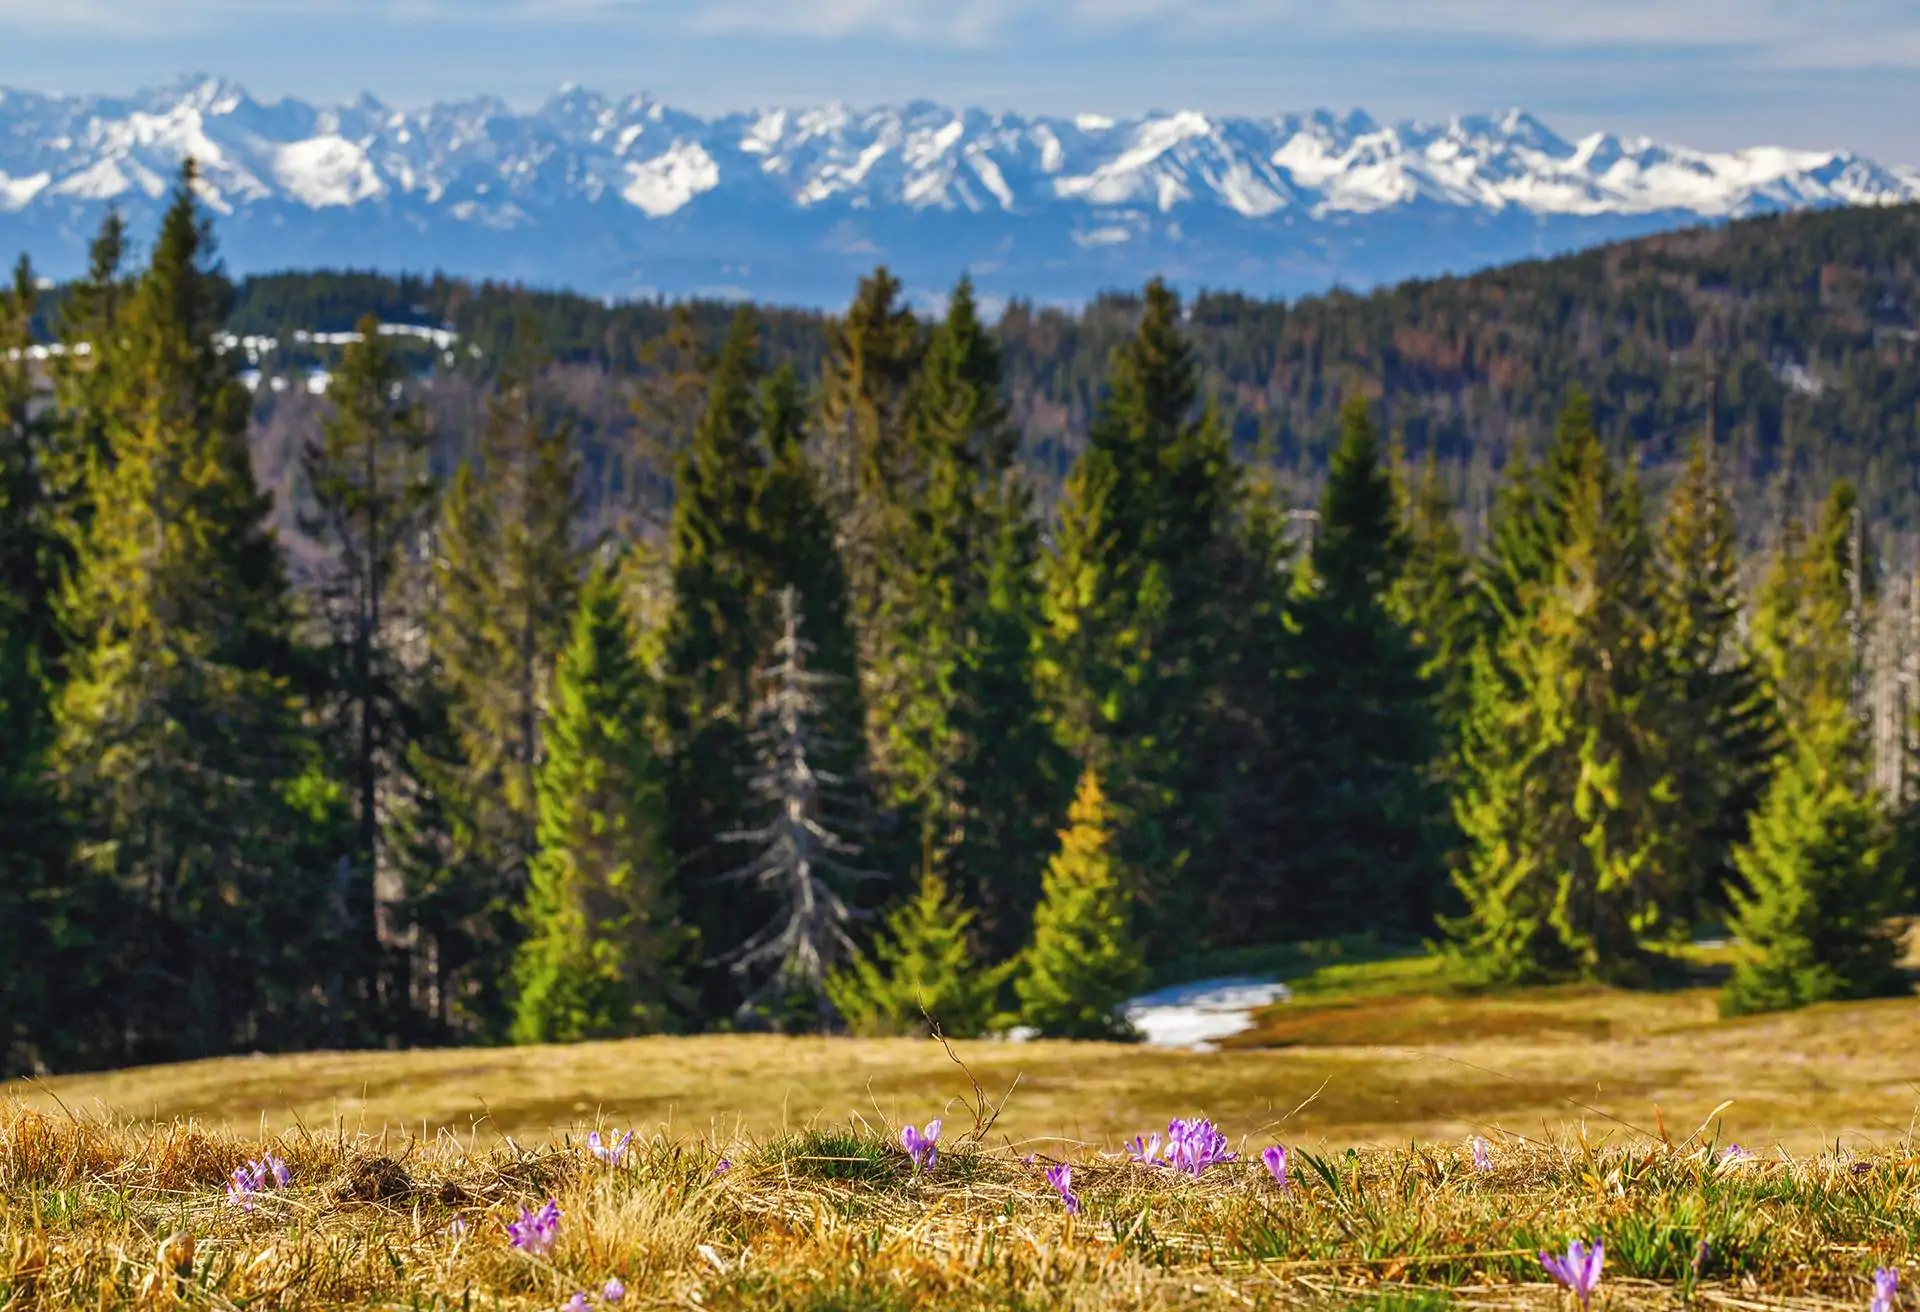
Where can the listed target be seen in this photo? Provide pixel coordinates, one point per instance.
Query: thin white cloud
(1800, 34)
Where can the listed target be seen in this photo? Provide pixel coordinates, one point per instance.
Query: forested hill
(1811, 321)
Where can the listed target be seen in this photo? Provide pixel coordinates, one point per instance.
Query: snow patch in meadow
(1195, 1014)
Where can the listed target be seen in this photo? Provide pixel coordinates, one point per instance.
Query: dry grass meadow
(1601, 1106)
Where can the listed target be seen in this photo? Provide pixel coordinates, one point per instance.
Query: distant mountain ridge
(626, 197)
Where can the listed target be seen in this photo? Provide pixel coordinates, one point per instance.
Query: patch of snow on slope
(105, 180)
(663, 184)
(1195, 1015)
(16, 192)
(325, 172)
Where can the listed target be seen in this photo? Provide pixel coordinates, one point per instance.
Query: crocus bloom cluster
(1482, 1153)
(1145, 1148)
(255, 1178)
(609, 1150)
(920, 1144)
(1193, 1146)
(1579, 1270)
(1061, 1178)
(1886, 1289)
(535, 1232)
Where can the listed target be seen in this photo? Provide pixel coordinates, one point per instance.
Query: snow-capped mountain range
(629, 196)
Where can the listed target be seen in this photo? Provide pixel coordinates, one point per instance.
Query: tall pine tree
(970, 759)
(1721, 727)
(1369, 839)
(603, 949)
(714, 640)
(1136, 620)
(1815, 891)
(802, 863)
(1565, 795)
(180, 743)
(45, 1000)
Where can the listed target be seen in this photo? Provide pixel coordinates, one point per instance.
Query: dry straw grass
(1576, 1087)
(102, 1214)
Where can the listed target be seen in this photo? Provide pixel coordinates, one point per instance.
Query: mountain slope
(631, 197)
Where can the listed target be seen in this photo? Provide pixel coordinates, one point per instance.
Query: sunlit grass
(1601, 1104)
(94, 1214)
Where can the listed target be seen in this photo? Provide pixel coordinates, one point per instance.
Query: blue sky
(1712, 73)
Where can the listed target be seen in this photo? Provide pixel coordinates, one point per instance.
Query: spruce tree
(46, 1013)
(1816, 887)
(370, 495)
(715, 639)
(1811, 910)
(507, 570)
(1368, 842)
(180, 746)
(1565, 792)
(1136, 617)
(969, 757)
(1084, 960)
(921, 965)
(603, 948)
(802, 860)
(1252, 883)
(1721, 730)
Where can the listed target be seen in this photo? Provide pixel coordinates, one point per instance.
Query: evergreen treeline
(845, 723)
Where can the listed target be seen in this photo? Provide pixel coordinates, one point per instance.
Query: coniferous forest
(889, 666)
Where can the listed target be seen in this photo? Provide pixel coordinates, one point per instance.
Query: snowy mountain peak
(620, 194)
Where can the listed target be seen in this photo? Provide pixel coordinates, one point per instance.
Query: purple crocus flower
(920, 1144)
(1061, 1178)
(614, 1292)
(255, 1178)
(609, 1150)
(243, 1186)
(1195, 1145)
(1275, 1159)
(534, 1233)
(1886, 1289)
(1579, 1270)
(578, 1303)
(722, 1166)
(1145, 1148)
(1733, 1154)
(1482, 1153)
